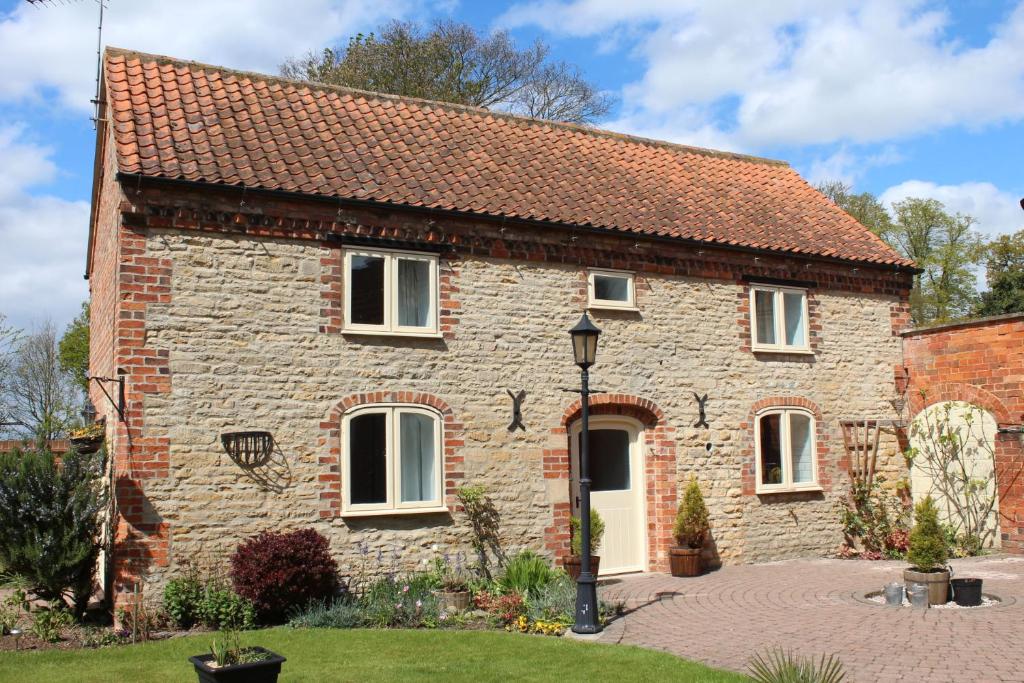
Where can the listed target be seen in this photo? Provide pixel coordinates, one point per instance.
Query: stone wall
(230, 321)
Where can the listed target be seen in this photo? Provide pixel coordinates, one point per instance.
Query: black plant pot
(266, 671)
(966, 592)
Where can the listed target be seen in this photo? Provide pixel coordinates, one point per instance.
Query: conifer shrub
(928, 550)
(691, 527)
(50, 517)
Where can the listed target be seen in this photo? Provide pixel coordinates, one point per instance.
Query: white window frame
(393, 453)
(787, 484)
(780, 345)
(390, 326)
(594, 302)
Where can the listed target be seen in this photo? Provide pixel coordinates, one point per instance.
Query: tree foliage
(50, 517)
(38, 395)
(865, 207)
(74, 350)
(452, 62)
(942, 244)
(1005, 276)
(8, 340)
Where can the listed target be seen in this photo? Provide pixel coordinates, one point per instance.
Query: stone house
(366, 277)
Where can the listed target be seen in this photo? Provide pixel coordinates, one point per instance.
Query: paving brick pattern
(816, 606)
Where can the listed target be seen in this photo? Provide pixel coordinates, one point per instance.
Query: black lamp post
(584, 349)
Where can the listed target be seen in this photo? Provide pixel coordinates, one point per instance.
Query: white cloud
(54, 46)
(799, 71)
(997, 212)
(43, 238)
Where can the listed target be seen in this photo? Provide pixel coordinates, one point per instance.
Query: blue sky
(896, 97)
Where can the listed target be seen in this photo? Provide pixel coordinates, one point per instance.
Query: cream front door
(616, 473)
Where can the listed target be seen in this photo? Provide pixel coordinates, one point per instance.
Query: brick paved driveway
(812, 607)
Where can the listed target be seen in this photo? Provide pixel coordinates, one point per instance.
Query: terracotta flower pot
(936, 581)
(685, 561)
(573, 568)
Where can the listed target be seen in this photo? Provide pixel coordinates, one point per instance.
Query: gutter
(138, 179)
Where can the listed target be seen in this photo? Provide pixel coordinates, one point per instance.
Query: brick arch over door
(943, 392)
(329, 443)
(826, 465)
(660, 484)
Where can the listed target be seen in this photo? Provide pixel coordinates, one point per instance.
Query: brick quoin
(452, 439)
(979, 362)
(659, 472)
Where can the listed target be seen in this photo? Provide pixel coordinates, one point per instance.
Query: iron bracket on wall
(702, 420)
(517, 410)
(119, 380)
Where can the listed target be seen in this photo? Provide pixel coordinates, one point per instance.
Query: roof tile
(202, 123)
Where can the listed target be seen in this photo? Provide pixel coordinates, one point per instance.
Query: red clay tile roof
(191, 121)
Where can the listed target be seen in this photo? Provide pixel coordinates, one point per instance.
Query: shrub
(50, 523)
(223, 608)
(183, 598)
(927, 550)
(596, 533)
(691, 525)
(778, 666)
(875, 516)
(398, 602)
(50, 623)
(504, 608)
(556, 601)
(486, 525)
(526, 573)
(341, 613)
(279, 572)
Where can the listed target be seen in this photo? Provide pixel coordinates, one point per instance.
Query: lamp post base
(587, 618)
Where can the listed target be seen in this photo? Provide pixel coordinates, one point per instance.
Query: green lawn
(364, 655)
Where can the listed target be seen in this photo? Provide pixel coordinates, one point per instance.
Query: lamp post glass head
(584, 342)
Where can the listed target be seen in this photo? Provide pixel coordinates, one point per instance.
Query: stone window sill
(781, 351)
(815, 488)
(395, 512)
(380, 333)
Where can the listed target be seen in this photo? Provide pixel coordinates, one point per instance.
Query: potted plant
(927, 554)
(88, 439)
(453, 593)
(229, 662)
(572, 562)
(690, 531)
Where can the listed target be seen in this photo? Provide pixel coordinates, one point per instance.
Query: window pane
(771, 449)
(609, 460)
(764, 305)
(416, 436)
(802, 444)
(413, 293)
(610, 288)
(793, 303)
(367, 290)
(367, 467)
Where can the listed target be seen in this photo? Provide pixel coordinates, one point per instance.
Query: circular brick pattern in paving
(815, 607)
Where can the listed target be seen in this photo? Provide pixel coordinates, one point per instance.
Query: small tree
(50, 523)
(958, 458)
(691, 527)
(73, 353)
(927, 550)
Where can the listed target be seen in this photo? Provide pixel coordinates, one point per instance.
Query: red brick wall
(980, 362)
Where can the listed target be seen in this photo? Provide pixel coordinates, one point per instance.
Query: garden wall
(980, 362)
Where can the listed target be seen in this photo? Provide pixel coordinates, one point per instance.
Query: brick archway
(330, 444)
(943, 392)
(659, 472)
